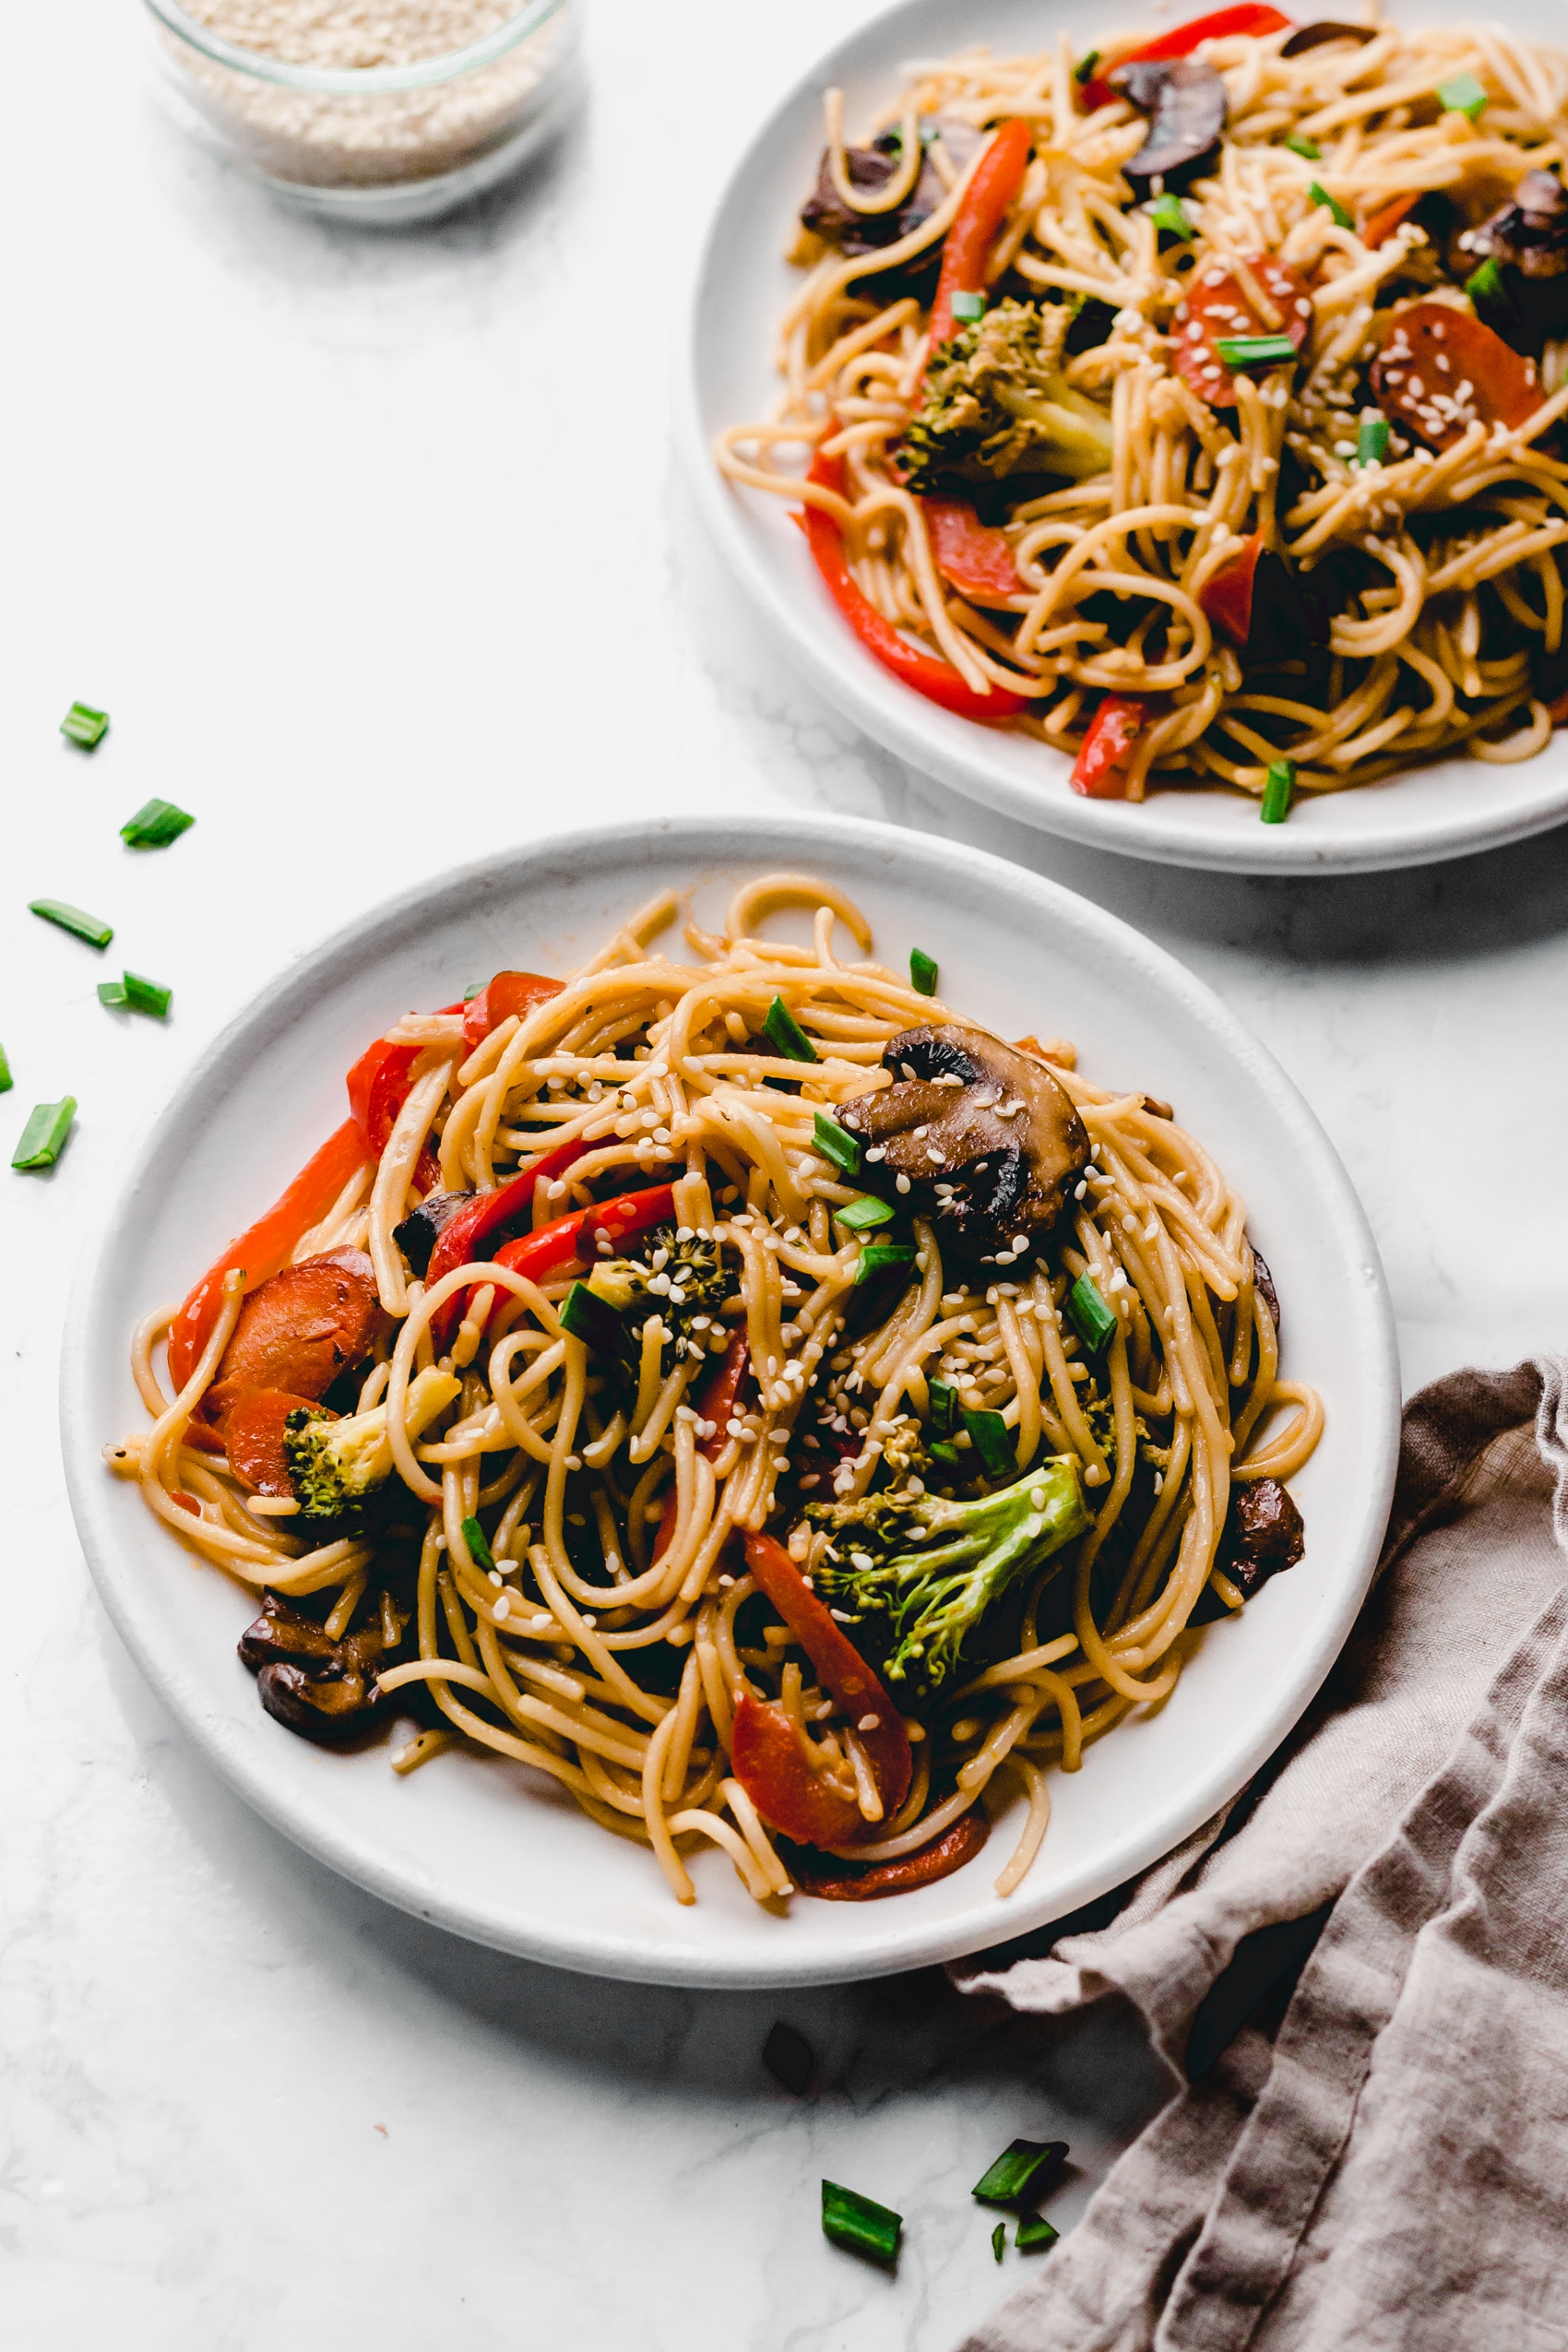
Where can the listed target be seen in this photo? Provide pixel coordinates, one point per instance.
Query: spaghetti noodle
(643, 1347)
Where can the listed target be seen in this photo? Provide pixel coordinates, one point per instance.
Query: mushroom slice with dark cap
(1263, 1533)
(322, 1689)
(990, 1144)
(1185, 102)
(1527, 240)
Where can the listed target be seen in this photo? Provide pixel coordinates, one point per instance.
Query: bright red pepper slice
(985, 204)
(467, 1235)
(864, 1881)
(926, 672)
(378, 1087)
(1222, 25)
(718, 1400)
(768, 1759)
(1227, 595)
(1097, 772)
(508, 993)
(974, 555)
(1382, 225)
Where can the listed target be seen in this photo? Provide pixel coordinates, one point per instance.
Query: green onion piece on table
(1034, 2233)
(1020, 2172)
(1485, 284)
(1319, 195)
(146, 996)
(1254, 350)
(837, 1144)
(868, 1210)
(1090, 1317)
(881, 1257)
(1307, 147)
(6, 1081)
(783, 1031)
(113, 993)
(1462, 95)
(988, 1435)
(967, 308)
(43, 1138)
(922, 972)
(154, 826)
(1278, 791)
(71, 919)
(1372, 441)
(1169, 212)
(85, 726)
(1086, 66)
(860, 2225)
(998, 2239)
(944, 1408)
(479, 1545)
(590, 1319)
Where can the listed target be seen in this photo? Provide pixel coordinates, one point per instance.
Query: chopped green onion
(6, 1081)
(84, 725)
(1090, 1317)
(879, 1257)
(944, 1408)
(1372, 441)
(967, 307)
(71, 919)
(1254, 350)
(1085, 67)
(941, 1450)
(1485, 284)
(1307, 147)
(858, 2224)
(783, 1031)
(988, 1434)
(113, 993)
(868, 1210)
(1035, 2231)
(590, 1319)
(136, 995)
(1020, 2172)
(998, 2239)
(155, 825)
(922, 972)
(43, 1138)
(1169, 212)
(479, 1543)
(787, 2058)
(1463, 95)
(837, 1144)
(1319, 195)
(1278, 791)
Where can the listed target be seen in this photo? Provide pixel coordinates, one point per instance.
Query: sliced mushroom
(988, 1142)
(299, 1331)
(419, 1232)
(1263, 1282)
(1263, 1533)
(1527, 238)
(322, 1689)
(1186, 105)
(1318, 36)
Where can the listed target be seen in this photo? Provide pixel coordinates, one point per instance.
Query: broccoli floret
(997, 403)
(338, 1468)
(679, 1280)
(1101, 1415)
(921, 1575)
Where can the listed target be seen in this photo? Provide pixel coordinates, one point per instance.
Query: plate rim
(939, 746)
(708, 840)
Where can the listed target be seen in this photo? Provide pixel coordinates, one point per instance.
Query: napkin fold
(1384, 2162)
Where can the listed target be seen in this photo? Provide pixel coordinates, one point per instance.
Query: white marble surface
(372, 548)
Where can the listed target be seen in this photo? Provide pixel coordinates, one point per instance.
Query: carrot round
(253, 1438)
(299, 1331)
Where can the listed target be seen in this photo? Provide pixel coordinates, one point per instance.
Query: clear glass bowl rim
(359, 81)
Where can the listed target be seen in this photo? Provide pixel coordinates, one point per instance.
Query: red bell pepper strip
(926, 672)
(378, 1085)
(1098, 771)
(718, 1400)
(1382, 225)
(768, 1758)
(507, 994)
(844, 1671)
(983, 209)
(470, 1233)
(974, 555)
(1227, 595)
(1222, 25)
(863, 1882)
(265, 1247)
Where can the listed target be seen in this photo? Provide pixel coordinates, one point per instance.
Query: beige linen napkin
(1392, 2169)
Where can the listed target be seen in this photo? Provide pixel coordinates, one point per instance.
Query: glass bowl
(378, 144)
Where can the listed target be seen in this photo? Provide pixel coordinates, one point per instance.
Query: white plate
(484, 1847)
(743, 286)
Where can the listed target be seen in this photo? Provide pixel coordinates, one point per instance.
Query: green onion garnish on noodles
(1254, 350)
(988, 1435)
(1319, 195)
(1020, 2172)
(1462, 95)
(1090, 1317)
(1372, 441)
(43, 1138)
(1309, 149)
(837, 1144)
(866, 1211)
(590, 1319)
(922, 972)
(1169, 212)
(782, 1030)
(998, 2240)
(1278, 791)
(1485, 284)
(6, 1081)
(881, 1257)
(155, 825)
(479, 1545)
(967, 307)
(944, 1408)
(860, 2225)
(1085, 67)
(1034, 2233)
(71, 919)
(85, 726)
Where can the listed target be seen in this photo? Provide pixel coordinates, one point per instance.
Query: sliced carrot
(1216, 307)
(254, 1431)
(864, 1881)
(859, 1691)
(299, 1331)
(973, 555)
(1441, 370)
